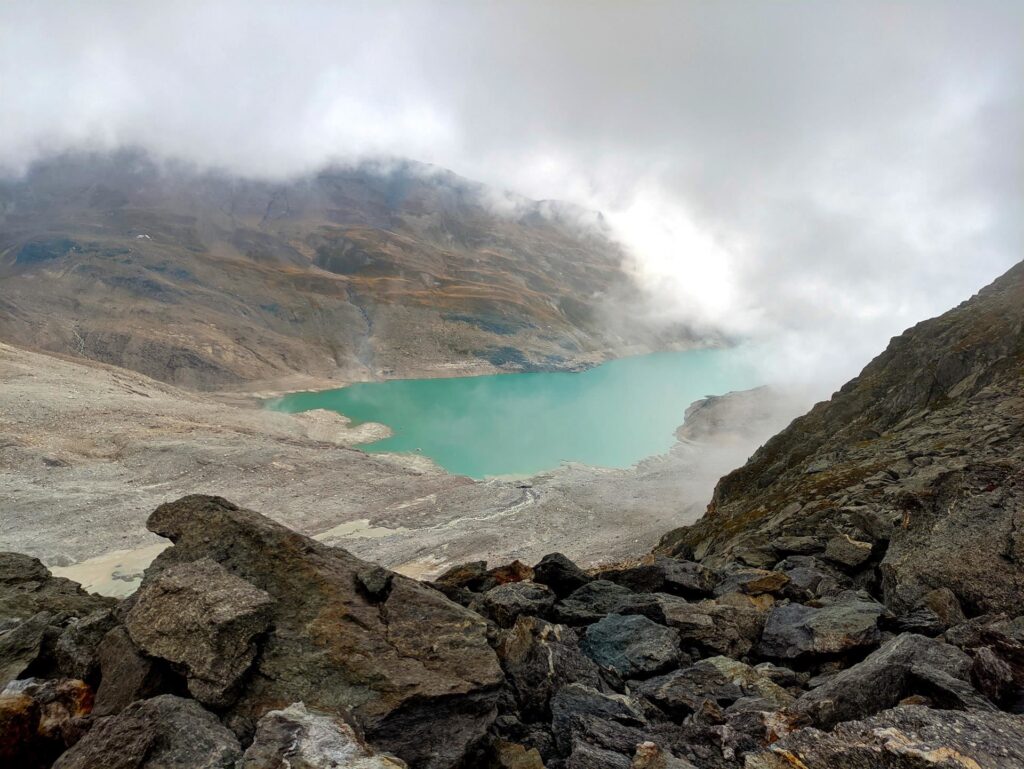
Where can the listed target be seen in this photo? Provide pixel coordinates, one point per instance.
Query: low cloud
(813, 176)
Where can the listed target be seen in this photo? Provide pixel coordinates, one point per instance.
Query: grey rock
(376, 581)
(560, 574)
(810, 578)
(77, 648)
(909, 737)
(714, 627)
(665, 575)
(847, 551)
(904, 666)
(165, 732)
(797, 545)
(649, 756)
(539, 659)
(839, 625)
(126, 675)
(582, 715)
(22, 646)
(597, 599)
(415, 671)
(505, 603)
(203, 618)
(631, 645)
(27, 588)
(751, 581)
(295, 738)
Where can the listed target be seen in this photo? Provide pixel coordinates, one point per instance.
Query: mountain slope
(207, 280)
(917, 464)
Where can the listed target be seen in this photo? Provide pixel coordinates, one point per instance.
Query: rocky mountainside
(210, 281)
(852, 600)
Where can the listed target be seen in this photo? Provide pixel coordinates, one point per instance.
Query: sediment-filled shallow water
(613, 415)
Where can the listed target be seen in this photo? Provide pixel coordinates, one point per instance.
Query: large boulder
(165, 732)
(583, 718)
(412, 668)
(204, 619)
(127, 675)
(599, 598)
(712, 627)
(836, 626)
(631, 645)
(907, 665)
(505, 603)
(295, 738)
(906, 737)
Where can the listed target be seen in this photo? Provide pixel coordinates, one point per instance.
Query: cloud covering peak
(817, 175)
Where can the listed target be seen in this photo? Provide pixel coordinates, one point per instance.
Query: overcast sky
(817, 174)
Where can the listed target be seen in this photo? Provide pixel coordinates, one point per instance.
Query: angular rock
(599, 598)
(539, 659)
(77, 648)
(126, 675)
(505, 603)
(649, 756)
(581, 715)
(811, 578)
(720, 680)
(839, 625)
(512, 755)
(560, 574)
(751, 582)
(27, 588)
(797, 545)
(415, 671)
(906, 665)
(847, 551)
(909, 737)
(631, 645)
(23, 646)
(203, 618)
(375, 582)
(715, 627)
(295, 738)
(665, 575)
(587, 756)
(40, 719)
(165, 732)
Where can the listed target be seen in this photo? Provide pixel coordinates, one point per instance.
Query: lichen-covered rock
(203, 618)
(165, 732)
(908, 737)
(631, 645)
(295, 738)
(414, 670)
(838, 625)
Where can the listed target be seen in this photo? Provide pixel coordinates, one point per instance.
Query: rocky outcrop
(401, 663)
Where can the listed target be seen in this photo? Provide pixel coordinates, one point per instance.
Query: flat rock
(415, 670)
(838, 625)
(631, 645)
(203, 618)
(909, 737)
(295, 738)
(751, 582)
(165, 732)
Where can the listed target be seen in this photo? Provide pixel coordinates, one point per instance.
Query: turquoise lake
(613, 415)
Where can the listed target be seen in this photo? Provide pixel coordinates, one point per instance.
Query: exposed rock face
(201, 617)
(295, 738)
(914, 467)
(402, 666)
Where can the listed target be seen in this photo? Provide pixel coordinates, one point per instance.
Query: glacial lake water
(613, 415)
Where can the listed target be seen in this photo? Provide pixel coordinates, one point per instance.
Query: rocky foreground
(852, 600)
